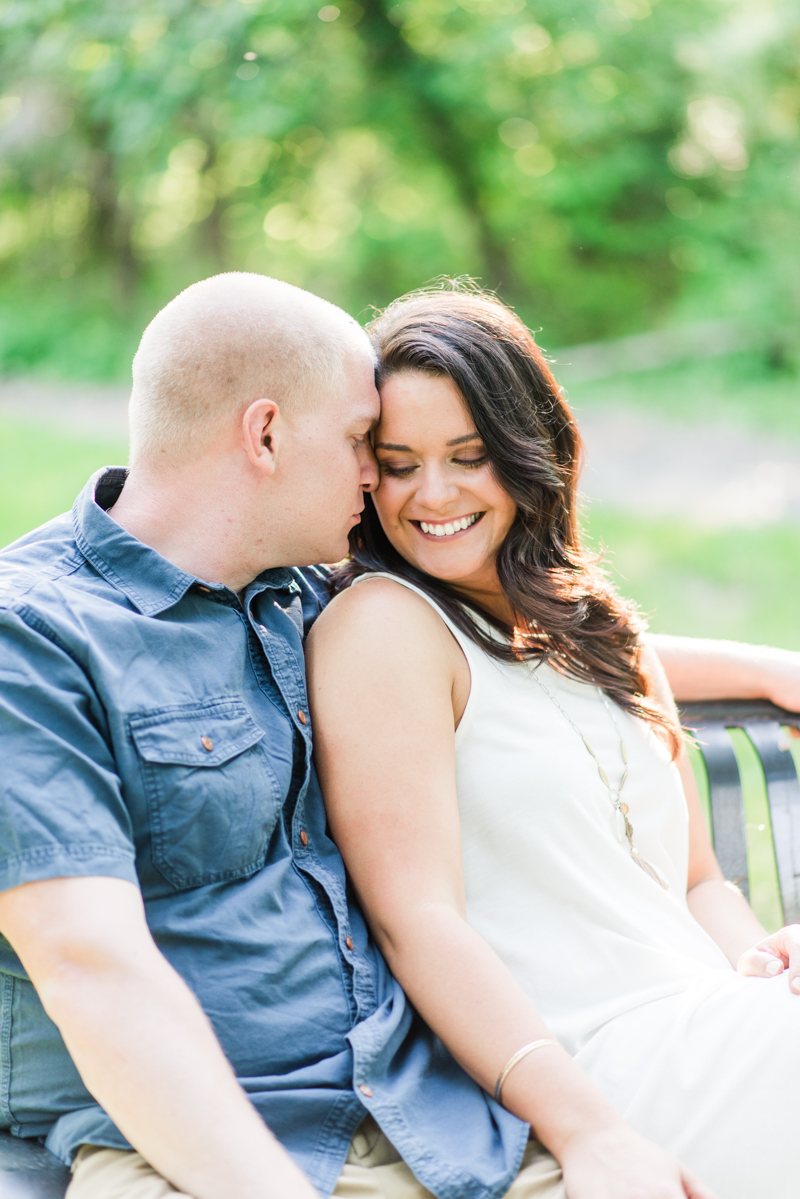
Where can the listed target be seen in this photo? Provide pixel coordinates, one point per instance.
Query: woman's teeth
(451, 527)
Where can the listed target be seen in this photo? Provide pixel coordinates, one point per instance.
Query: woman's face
(438, 500)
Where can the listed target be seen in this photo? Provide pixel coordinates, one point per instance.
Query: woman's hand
(616, 1163)
(774, 954)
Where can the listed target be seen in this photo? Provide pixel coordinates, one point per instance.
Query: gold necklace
(614, 793)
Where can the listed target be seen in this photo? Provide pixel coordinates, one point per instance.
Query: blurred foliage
(607, 164)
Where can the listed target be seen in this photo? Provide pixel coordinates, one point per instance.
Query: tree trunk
(392, 58)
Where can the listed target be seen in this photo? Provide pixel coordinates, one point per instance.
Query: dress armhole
(472, 652)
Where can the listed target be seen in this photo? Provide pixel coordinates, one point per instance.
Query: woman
(504, 775)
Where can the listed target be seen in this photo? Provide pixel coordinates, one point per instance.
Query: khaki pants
(373, 1170)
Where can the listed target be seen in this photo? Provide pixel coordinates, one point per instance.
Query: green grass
(741, 584)
(41, 473)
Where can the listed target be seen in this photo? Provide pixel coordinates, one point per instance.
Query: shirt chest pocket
(212, 798)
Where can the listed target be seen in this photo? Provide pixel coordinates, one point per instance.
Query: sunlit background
(627, 174)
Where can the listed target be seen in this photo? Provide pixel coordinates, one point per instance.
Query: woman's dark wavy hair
(574, 618)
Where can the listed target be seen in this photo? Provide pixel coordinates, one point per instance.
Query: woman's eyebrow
(456, 441)
(461, 440)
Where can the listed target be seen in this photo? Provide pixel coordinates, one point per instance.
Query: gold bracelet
(517, 1057)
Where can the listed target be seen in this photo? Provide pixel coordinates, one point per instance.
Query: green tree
(604, 163)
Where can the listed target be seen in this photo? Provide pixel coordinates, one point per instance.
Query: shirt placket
(284, 652)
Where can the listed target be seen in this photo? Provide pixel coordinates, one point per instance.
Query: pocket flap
(196, 734)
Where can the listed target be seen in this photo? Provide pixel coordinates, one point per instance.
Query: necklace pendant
(649, 869)
(624, 827)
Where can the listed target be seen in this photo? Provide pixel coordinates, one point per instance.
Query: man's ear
(262, 434)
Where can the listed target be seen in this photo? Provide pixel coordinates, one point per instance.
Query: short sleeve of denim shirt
(61, 808)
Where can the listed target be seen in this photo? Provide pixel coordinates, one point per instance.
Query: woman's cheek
(388, 500)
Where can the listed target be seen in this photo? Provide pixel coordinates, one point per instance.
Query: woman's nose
(434, 490)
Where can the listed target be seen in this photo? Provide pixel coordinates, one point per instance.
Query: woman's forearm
(468, 997)
(701, 668)
(726, 916)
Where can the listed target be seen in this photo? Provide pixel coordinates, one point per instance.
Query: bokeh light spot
(516, 132)
(535, 160)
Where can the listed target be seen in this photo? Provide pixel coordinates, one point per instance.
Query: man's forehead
(370, 410)
(366, 403)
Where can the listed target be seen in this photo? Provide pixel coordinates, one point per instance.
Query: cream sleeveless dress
(700, 1060)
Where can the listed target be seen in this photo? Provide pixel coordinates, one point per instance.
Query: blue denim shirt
(154, 728)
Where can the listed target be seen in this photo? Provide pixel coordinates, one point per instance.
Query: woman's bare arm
(700, 668)
(717, 906)
(382, 669)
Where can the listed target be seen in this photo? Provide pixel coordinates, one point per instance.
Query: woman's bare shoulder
(378, 612)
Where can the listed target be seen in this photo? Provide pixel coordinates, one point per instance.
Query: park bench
(29, 1171)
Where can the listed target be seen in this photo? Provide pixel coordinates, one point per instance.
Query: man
(181, 972)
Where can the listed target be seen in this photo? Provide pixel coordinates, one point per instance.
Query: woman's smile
(447, 528)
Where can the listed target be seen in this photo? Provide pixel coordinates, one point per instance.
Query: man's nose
(370, 474)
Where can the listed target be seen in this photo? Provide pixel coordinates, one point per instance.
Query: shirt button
(301, 716)
(365, 1090)
(303, 836)
(207, 744)
(200, 587)
(349, 943)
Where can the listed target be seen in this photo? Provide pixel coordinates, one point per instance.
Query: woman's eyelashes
(471, 462)
(396, 471)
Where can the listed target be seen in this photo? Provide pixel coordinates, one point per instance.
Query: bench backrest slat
(727, 805)
(762, 723)
(783, 791)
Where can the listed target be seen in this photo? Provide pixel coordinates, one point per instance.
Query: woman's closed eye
(397, 470)
(471, 462)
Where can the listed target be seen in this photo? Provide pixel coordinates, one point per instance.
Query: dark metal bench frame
(29, 1171)
(762, 722)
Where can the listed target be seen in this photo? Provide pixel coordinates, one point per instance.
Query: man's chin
(328, 555)
(336, 556)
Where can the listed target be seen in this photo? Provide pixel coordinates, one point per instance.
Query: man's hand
(140, 1040)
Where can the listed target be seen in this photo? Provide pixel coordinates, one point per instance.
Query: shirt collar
(151, 582)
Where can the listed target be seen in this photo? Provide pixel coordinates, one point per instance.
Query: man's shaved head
(223, 343)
